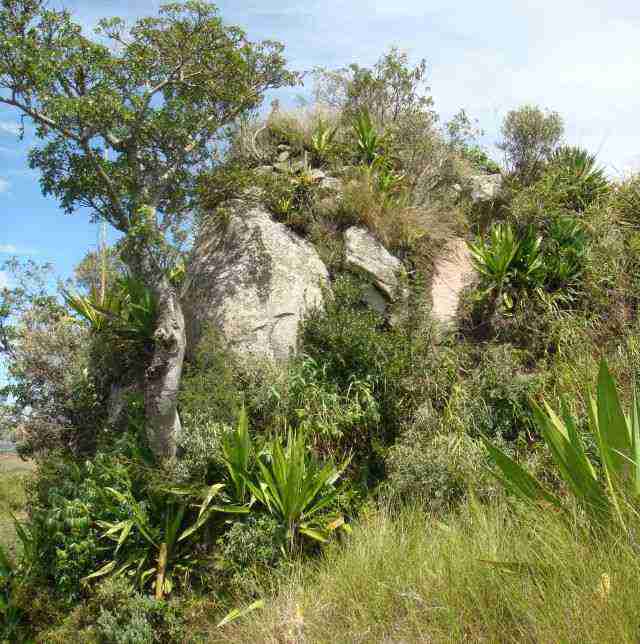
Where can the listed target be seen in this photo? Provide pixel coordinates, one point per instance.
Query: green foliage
(434, 471)
(127, 309)
(603, 495)
(200, 448)
(238, 456)
(334, 417)
(296, 489)
(575, 178)
(147, 106)
(11, 614)
(66, 502)
(249, 550)
(159, 528)
(529, 139)
(513, 267)
(322, 142)
(210, 388)
(368, 141)
(493, 397)
(350, 343)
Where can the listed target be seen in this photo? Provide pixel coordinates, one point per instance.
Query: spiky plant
(604, 487)
(574, 173)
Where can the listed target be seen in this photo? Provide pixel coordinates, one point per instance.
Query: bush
(434, 471)
(211, 384)
(249, 552)
(493, 399)
(117, 614)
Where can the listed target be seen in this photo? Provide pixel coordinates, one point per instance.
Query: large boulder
(253, 280)
(485, 187)
(365, 255)
(453, 272)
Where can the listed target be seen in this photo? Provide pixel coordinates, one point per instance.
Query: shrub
(200, 448)
(333, 417)
(434, 471)
(249, 552)
(117, 614)
(211, 383)
(529, 138)
(493, 399)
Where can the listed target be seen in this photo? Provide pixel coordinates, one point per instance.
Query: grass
(481, 576)
(13, 472)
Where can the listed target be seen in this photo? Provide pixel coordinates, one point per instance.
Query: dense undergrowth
(348, 494)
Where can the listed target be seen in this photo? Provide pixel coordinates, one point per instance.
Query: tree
(529, 138)
(128, 119)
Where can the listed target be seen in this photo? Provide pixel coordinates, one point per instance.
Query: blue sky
(577, 57)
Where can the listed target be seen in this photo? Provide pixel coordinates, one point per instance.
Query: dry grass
(13, 472)
(480, 577)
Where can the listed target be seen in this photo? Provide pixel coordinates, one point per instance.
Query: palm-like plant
(575, 175)
(295, 488)
(601, 491)
(139, 540)
(493, 259)
(237, 449)
(128, 308)
(368, 141)
(322, 141)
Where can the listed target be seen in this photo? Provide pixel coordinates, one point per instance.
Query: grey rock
(331, 184)
(284, 156)
(316, 174)
(253, 280)
(366, 255)
(485, 187)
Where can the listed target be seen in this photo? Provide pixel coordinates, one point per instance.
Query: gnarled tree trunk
(162, 378)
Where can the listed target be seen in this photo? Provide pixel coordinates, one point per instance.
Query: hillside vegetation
(397, 479)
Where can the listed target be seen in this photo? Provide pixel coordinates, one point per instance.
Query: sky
(578, 58)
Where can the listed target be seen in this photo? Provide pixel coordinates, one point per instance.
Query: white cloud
(4, 185)
(4, 280)
(12, 249)
(10, 127)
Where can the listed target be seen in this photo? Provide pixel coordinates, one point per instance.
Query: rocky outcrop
(453, 272)
(253, 280)
(365, 255)
(485, 187)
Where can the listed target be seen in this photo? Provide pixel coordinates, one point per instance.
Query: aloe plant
(494, 259)
(601, 489)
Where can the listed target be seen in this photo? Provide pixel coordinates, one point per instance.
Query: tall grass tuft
(485, 575)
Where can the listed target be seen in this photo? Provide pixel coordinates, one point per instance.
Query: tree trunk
(162, 378)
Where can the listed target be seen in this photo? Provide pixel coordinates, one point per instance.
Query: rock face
(364, 254)
(485, 187)
(453, 271)
(253, 280)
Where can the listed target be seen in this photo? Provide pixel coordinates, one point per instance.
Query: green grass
(13, 472)
(482, 576)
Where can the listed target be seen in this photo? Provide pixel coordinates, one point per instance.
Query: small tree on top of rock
(128, 119)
